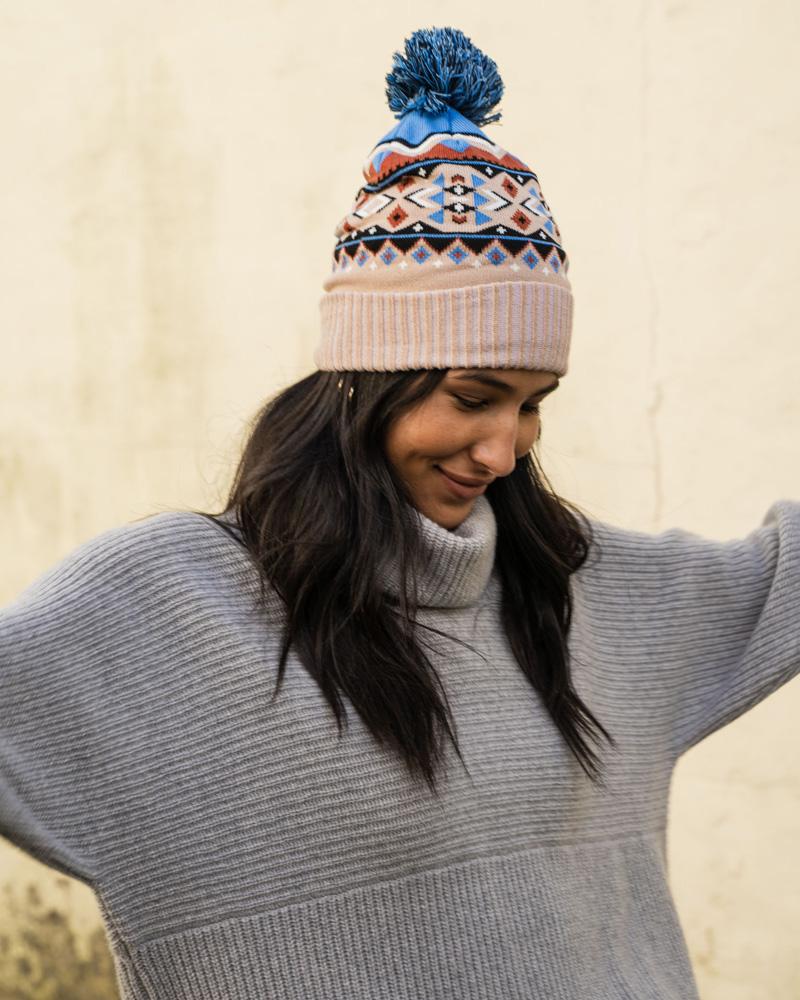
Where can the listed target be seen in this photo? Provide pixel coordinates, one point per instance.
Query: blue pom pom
(441, 67)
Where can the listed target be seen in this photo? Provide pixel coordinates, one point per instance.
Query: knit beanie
(449, 257)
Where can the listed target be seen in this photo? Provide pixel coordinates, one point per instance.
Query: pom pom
(441, 67)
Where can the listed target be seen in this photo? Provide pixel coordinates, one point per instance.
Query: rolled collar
(456, 565)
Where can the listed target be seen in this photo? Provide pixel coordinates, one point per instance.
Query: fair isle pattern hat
(449, 257)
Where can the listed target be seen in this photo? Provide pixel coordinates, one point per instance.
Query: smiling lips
(464, 489)
(463, 480)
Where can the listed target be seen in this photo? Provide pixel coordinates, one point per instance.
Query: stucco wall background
(171, 175)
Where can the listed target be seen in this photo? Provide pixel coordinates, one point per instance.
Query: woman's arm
(66, 644)
(696, 630)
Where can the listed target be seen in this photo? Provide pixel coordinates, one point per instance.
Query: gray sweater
(239, 850)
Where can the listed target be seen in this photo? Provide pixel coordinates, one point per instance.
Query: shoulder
(134, 556)
(678, 553)
(163, 537)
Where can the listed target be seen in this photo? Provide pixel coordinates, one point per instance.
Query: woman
(397, 722)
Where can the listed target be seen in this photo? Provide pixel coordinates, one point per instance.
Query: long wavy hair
(319, 507)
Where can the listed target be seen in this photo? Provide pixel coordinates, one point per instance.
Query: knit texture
(450, 256)
(238, 849)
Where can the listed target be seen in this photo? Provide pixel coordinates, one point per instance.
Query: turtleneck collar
(456, 564)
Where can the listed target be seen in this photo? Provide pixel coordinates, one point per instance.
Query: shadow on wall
(39, 954)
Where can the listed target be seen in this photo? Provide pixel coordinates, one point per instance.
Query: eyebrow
(504, 387)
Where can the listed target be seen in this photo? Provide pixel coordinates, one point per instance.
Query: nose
(497, 449)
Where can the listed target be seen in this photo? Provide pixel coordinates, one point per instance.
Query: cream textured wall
(171, 175)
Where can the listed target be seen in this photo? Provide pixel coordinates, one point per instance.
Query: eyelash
(470, 405)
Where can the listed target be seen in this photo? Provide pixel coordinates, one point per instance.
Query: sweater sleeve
(711, 627)
(64, 648)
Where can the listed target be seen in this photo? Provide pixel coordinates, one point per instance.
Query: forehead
(506, 380)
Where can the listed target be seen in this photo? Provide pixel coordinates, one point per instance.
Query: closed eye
(471, 404)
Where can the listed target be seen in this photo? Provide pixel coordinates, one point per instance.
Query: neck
(456, 562)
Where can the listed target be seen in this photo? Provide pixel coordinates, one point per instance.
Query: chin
(447, 515)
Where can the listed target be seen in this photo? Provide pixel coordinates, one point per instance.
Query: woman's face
(468, 428)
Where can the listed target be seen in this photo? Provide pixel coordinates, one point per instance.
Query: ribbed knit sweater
(239, 849)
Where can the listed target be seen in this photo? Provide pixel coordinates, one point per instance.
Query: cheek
(404, 438)
(392, 443)
(427, 432)
(528, 436)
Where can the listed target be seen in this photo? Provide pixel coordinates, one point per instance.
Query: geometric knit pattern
(444, 209)
(512, 225)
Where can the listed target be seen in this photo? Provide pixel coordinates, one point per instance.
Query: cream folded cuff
(511, 324)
